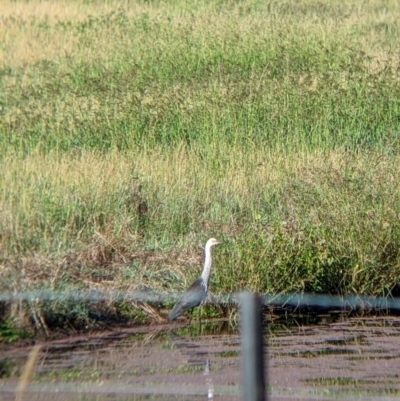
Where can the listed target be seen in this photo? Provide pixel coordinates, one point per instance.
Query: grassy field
(132, 131)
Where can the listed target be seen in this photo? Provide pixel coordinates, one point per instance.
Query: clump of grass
(9, 334)
(131, 134)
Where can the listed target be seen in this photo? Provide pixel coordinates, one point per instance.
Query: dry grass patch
(38, 30)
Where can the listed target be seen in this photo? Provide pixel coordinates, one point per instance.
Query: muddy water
(349, 359)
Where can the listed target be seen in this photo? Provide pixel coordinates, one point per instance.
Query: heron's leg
(200, 316)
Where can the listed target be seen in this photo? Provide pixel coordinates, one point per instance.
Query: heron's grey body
(196, 294)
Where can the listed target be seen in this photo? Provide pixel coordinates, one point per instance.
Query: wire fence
(347, 302)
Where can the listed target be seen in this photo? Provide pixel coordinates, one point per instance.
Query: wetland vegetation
(132, 131)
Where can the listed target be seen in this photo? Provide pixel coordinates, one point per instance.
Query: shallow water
(349, 358)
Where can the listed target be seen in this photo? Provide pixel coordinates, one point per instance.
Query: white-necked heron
(196, 294)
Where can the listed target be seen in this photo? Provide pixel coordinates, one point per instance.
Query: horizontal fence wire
(348, 302)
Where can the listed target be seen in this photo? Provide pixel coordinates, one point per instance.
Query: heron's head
(211, 242)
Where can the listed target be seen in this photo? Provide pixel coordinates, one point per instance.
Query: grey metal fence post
(252, 347)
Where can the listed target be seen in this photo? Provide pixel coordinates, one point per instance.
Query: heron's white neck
(207, 266)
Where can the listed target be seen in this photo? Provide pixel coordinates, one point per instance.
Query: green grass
(9, 334)
(163, 76)
(130, 132)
